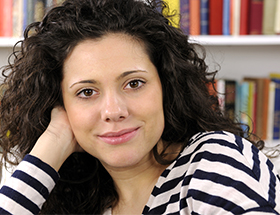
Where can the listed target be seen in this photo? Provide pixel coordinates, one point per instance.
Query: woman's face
(113, 98)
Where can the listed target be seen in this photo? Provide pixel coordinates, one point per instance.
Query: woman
(112, 97)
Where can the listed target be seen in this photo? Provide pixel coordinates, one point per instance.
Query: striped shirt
(218, 173)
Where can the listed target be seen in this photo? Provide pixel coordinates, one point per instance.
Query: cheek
(80, 120)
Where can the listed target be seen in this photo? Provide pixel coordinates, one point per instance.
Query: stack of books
(15, 15)
(252, 101)
(228, 17)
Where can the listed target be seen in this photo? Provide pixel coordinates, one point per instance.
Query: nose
(114, 108)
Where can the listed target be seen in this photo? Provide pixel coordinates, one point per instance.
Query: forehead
(112, 52)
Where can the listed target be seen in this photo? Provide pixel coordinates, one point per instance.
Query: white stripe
(37, 173)
(26, 190)
(204, 208)
(12, 207)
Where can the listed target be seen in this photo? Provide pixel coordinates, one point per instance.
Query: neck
(135, 184)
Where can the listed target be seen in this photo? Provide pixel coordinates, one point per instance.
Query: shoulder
(221, 163)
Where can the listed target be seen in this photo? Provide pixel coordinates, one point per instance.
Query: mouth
(115, 138)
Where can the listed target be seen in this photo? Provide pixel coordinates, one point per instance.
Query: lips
(115, 138)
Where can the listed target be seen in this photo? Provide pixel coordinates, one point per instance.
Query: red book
(215, 17)
(256, 16)
(244, 17)
(6, 18)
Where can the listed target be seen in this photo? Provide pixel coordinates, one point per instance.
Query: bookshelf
(252, 55)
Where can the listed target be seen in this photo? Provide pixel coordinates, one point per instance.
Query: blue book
(185, 16)
(276, 120)
(204, 17)
(243, 91)
(226, 17)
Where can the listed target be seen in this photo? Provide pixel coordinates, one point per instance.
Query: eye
(135, 84)
(86, 93)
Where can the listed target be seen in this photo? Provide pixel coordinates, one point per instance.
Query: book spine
(39, 10)
(185, 16)
(215, 17)
(277, 18)
(244, 17)
(204, 16)
(6, 18)
(256, 17)
(269, 12)
(174, 6)
(236, 17)
(276, 120)
(194, 17)
(17, 18)
(221, 90)
(244, 100)
(226, 17)
(265, 101)
(230, 88)
(270, 113)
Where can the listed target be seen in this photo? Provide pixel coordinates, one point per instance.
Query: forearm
(28, 188)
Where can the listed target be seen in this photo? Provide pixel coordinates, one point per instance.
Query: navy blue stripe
(185, 159)
(169, 185)
(2, 212)
(266, 209)
(238, 141)
(146, 209)
(20, 199)
(229, 182)
(43, 166)
(160, 209)
(215, 200)
(165, 173)
(225, 160)
(33, 182)
(272, 185)
(203, 134)
(256, 165)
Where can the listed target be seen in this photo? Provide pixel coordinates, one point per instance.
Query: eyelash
(83, 92)
(141, 82)
(82, 95)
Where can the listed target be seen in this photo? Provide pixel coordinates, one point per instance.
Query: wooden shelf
(256, 40)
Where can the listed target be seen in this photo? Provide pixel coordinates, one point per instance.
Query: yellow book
(174, 8)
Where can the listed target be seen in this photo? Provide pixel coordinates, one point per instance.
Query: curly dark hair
(33, 78)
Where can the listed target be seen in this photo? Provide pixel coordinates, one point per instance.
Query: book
(270, 113)
(226, 17)
(39, 10)
(269, 12)
(243, 97)
(174, 9)
(244, 17)
(261, 103)
(17, 18)
(276, 120)
(221, 91)
(204, 17)
(215, 17)
(230, 95)
(194, 17)
(256, 16)
(235, 17)
(6, 18)
(277, 18)
(185, 16)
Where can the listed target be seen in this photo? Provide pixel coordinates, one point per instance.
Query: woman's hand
(57, 143)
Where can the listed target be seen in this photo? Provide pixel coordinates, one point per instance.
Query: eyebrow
(92, 81)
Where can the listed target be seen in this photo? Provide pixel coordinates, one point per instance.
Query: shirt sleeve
(28, 188)
(228, 175)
